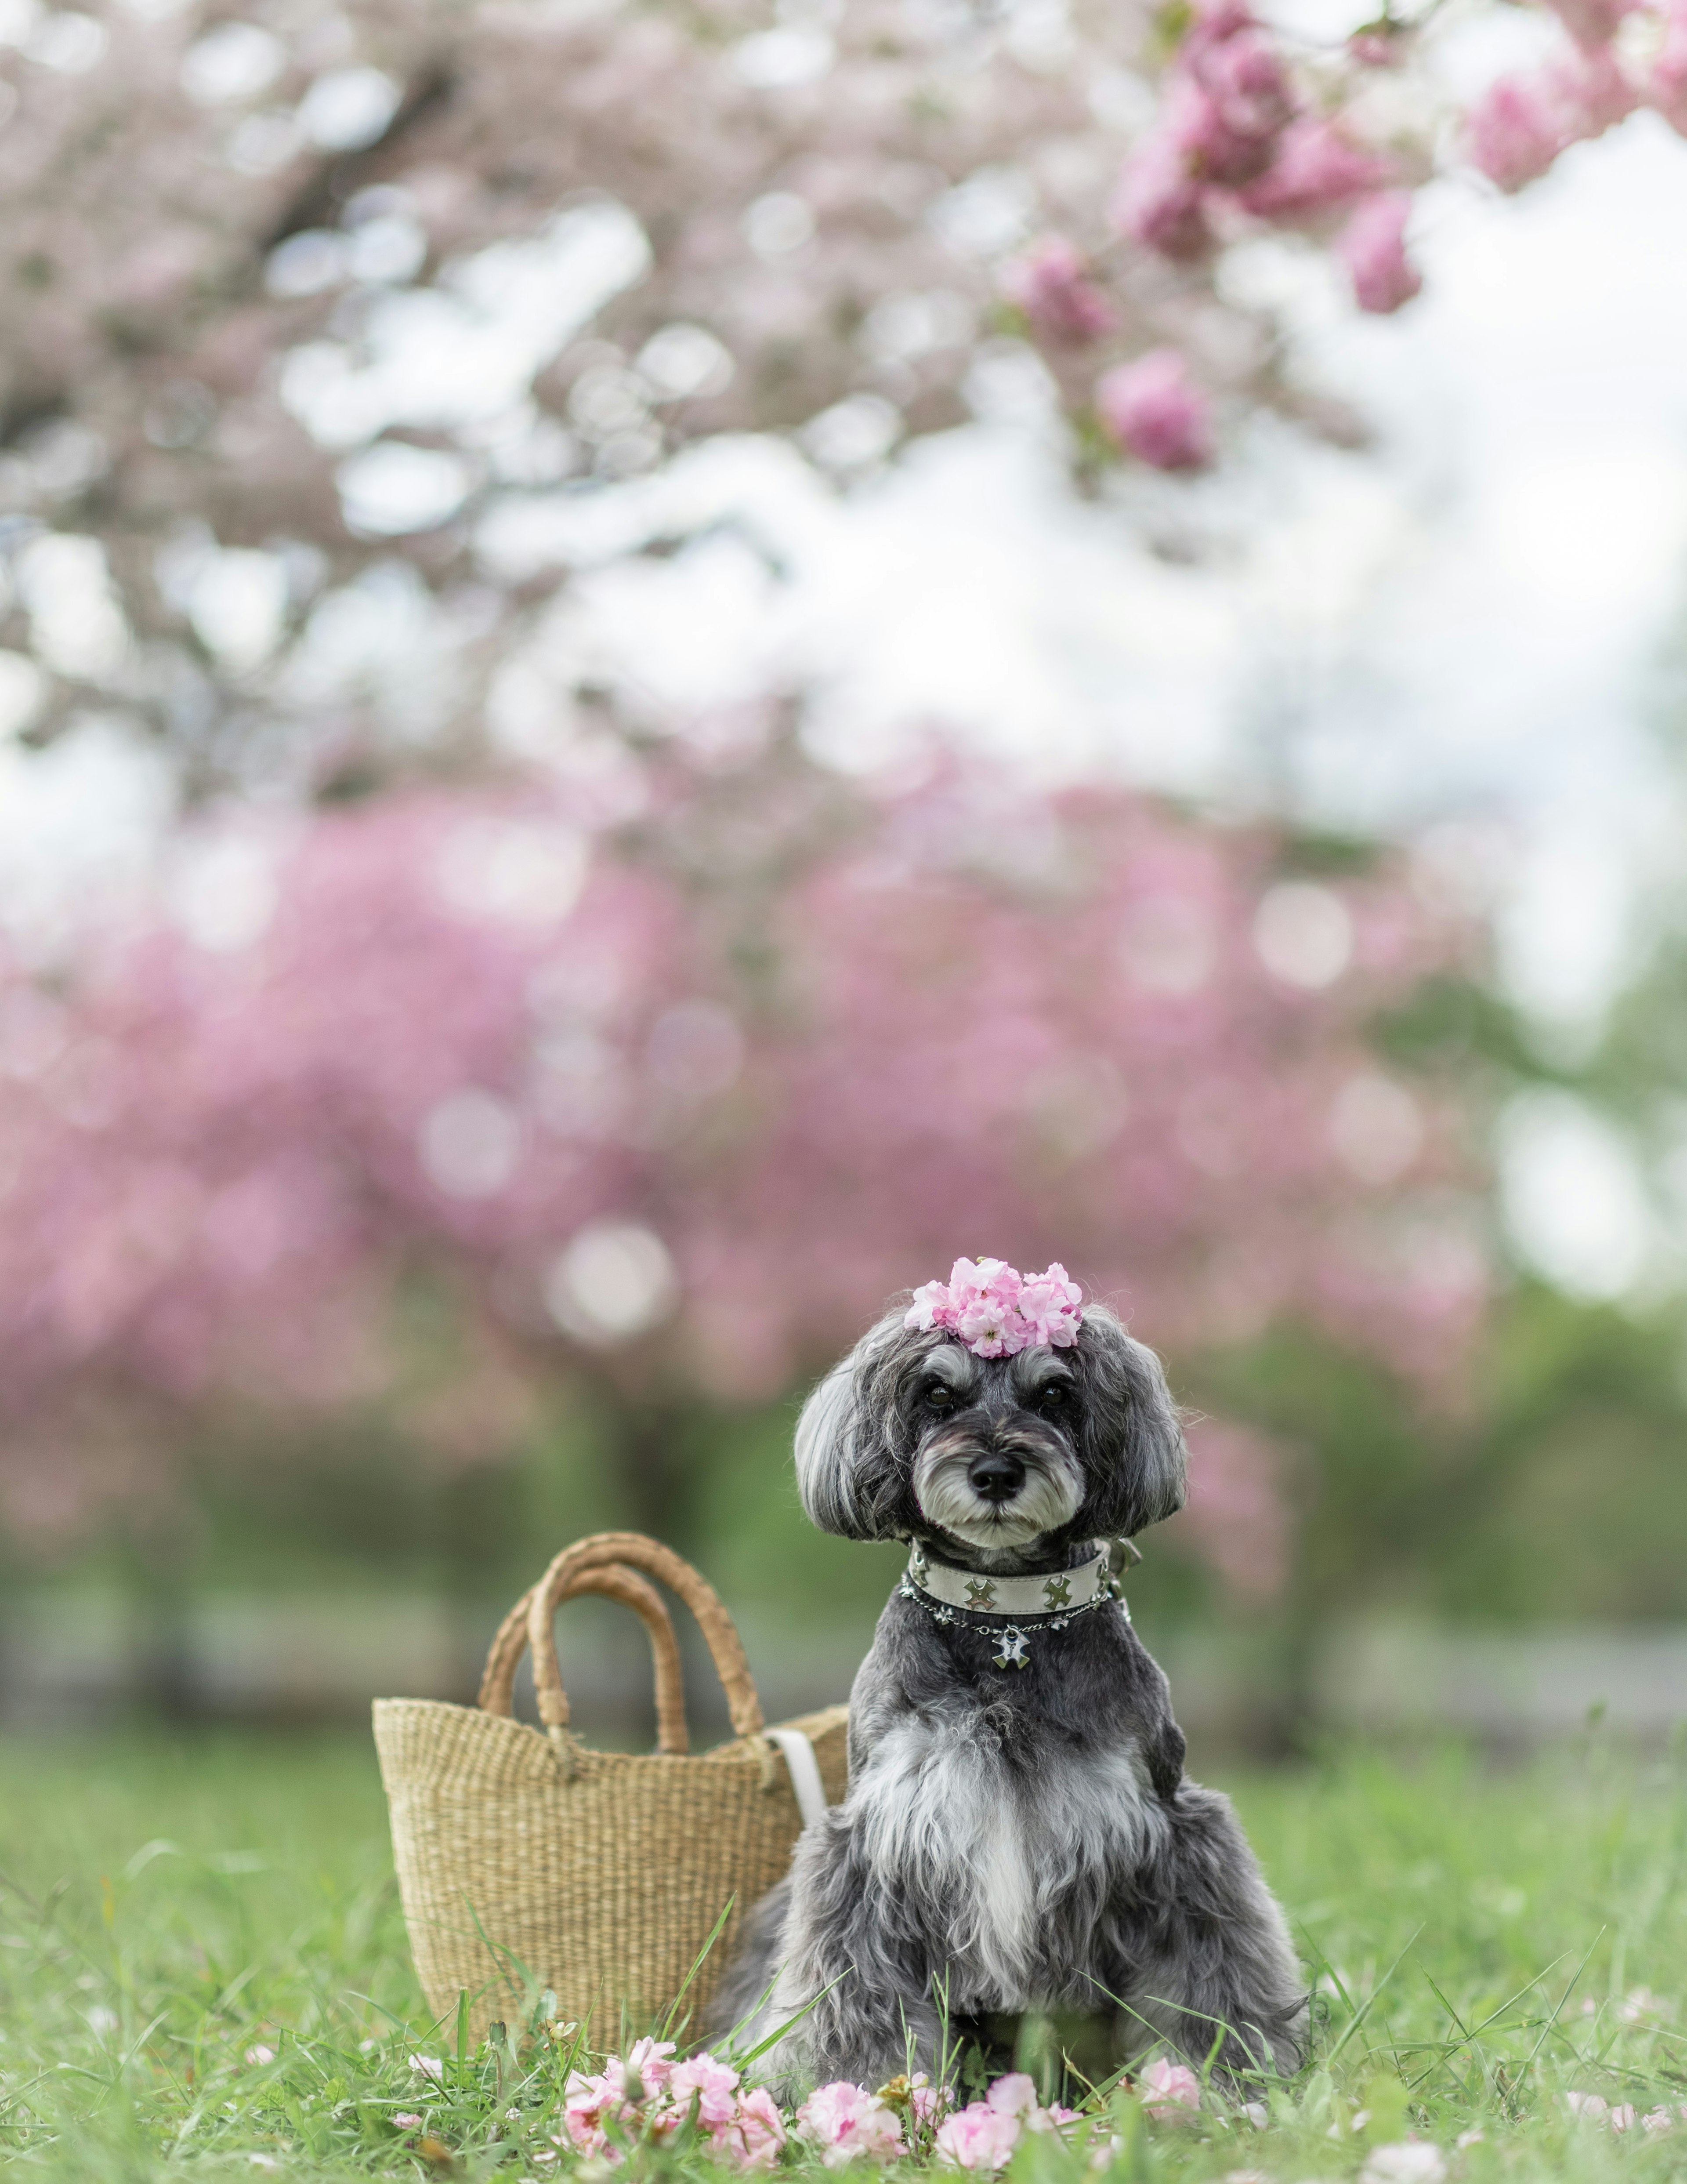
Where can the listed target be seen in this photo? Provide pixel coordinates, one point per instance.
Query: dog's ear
(1135, 1440)
(847, 1472)
(824, 1431)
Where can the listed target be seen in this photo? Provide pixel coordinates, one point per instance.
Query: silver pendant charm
(1015, 1649)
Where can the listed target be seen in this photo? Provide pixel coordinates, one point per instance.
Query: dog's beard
(1050, 1495)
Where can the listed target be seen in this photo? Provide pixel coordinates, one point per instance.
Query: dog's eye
(1055, 1397)
(939, 1394)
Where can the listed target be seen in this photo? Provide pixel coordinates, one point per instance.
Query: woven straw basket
(526, 1860)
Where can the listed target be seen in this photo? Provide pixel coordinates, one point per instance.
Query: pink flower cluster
(1169, 2089)
(1154, 410)
(1620, 2115)
(1593, 2108)
(1243, 137)
(1522, 123)
(984, 2135)
(848, 2124)
(1315, 169)
(1372, 248)
(997, 1312)
(648, 2096)
(1235, 142)
(1053, 288)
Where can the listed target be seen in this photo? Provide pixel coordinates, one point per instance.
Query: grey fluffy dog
(1019, 1835)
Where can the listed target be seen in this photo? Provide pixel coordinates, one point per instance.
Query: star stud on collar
(980, 1592)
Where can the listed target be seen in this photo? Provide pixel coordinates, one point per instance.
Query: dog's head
(913, 1433)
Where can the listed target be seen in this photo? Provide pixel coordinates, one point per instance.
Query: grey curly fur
(1012, 1839)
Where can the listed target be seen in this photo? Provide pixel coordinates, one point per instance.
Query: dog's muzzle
(997, 1489)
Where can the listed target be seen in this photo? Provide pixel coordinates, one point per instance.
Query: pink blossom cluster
(1622, 2115)
(983, 2135)
(1236, 140)
(997, 1312)
(1243, 137)
(1522, 123)
(1168, 2090)
(1372, 248)
(1054, 288)
(1594, 2108)
(648, 2096)
(1525, 121)
(846, 2123)
(1154, 410)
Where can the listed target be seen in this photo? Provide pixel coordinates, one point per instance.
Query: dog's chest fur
(1000, 1811)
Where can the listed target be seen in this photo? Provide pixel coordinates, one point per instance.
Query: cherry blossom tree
(324, 313)
(339, 339)
(671, 1080)
(326, 327)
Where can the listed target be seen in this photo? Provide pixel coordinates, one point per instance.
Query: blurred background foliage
(1486, 1450)
(511, 1056)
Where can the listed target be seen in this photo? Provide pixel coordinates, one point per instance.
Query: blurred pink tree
(338, 340)
(673, 1080)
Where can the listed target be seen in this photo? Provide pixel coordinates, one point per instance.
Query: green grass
(202, 1964)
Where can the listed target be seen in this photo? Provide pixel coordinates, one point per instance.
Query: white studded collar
(1009, 1599)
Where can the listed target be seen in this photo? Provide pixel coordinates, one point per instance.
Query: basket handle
(634, 1550)
(615, 1582)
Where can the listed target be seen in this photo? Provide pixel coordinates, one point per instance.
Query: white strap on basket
(804, 1772)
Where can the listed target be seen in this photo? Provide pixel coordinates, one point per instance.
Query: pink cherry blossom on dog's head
(998, 1312)
(1050, 1305)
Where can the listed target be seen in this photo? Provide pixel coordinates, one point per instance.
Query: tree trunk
(163, 1680)
(654, 1467)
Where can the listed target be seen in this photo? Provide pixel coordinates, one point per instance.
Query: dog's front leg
(1205, 1960)
(853, 1984)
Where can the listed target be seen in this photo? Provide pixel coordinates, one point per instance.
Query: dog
(1019, 1838)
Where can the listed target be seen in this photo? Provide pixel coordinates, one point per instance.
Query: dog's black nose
(994, 1477)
